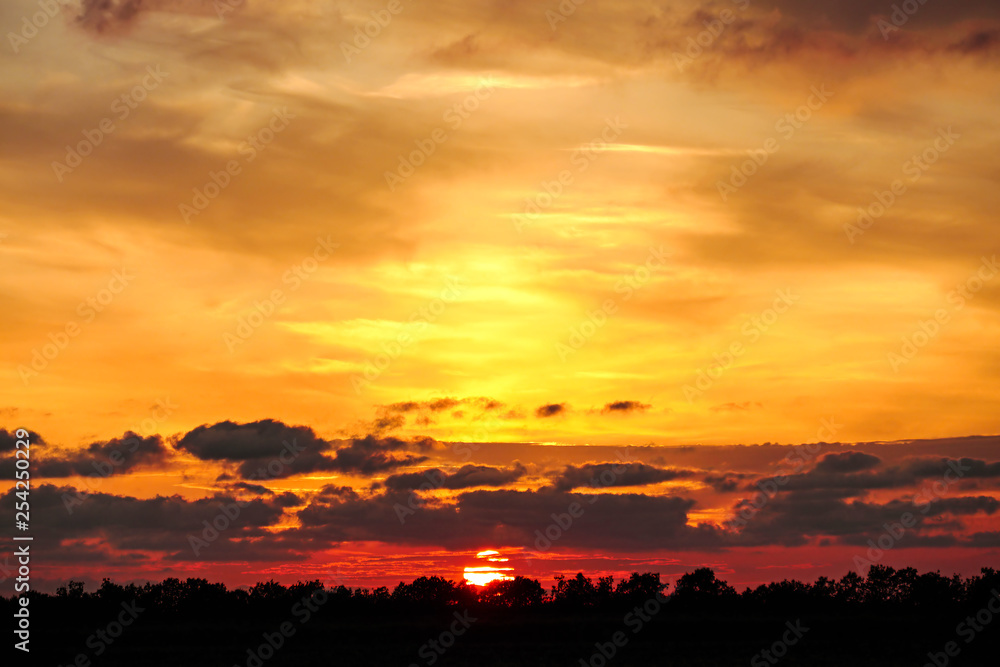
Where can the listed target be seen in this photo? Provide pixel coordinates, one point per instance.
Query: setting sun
(480, 575)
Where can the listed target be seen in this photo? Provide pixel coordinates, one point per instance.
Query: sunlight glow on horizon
(484, 574)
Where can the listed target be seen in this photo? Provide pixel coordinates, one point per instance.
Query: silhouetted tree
(576, 592)
(701, 589)
(639, 587)
(518, 593)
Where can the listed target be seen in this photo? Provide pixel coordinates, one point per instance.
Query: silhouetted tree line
(884, 589)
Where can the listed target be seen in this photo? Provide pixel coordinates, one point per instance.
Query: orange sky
(266, 213)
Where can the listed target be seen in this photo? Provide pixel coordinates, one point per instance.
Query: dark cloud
(798, 517)
(63, 516)
(978, 42)
(617, 522)
(443, 404)
(726, 482)
(599, 475)
(859, 15)
(986, 539)
(550, 410)
(850, 473)
(269, 449)
(388, 422)
(267, 438)
(439, 404)
(467, 476)
(102, 459)
(846, 462)
(371, 455)
(626, 406)
(252, 488)
(8, 440)
(393, 416)
(118, 455)
(407, 406)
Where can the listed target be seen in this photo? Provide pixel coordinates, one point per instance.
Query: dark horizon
(631, 619)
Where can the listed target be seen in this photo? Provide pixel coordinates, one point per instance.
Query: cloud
(439, 404)
(735, 407)
(847, 462)
(610, 522)
(799, 517)
(112, 16)
(978, 42)
(604, 475)
(8, 440)
(115, 456)
(626, 406)
(393, 416)
(371, 455)
(858, 15)
(162, 524)
(119, 455)
(467, 476)
(550, 410)
(269, 449)
(850, 472)
(252, 488)
(726, 482)
(262, 439)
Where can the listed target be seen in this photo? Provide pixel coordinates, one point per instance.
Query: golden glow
(480, 575)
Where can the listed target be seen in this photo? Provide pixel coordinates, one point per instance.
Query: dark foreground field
(531, 640)
(877, 621)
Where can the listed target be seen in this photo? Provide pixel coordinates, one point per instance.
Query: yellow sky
(568, 175)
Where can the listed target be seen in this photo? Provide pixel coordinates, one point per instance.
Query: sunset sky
(501, 248)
